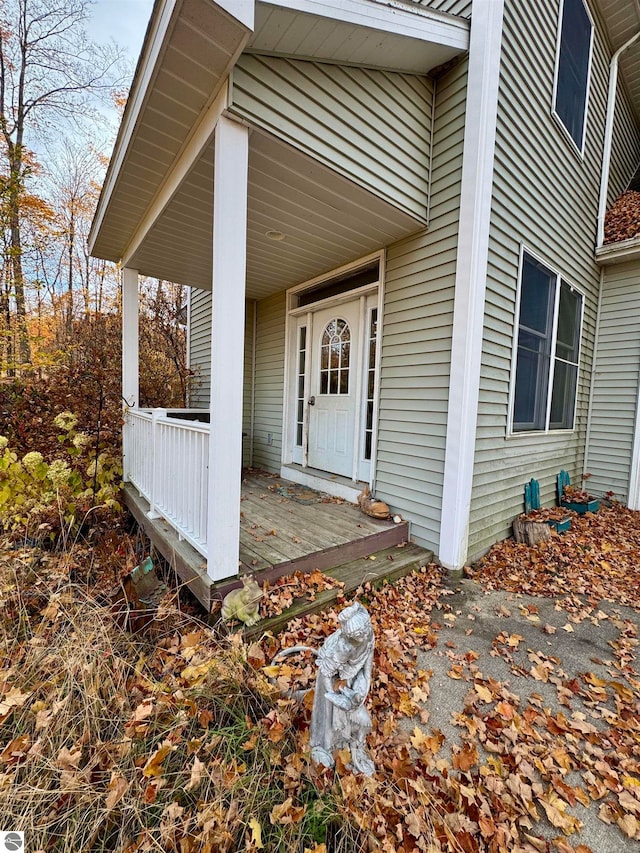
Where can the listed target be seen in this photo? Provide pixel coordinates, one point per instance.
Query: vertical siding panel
(200, 360)
(545, 196)
(615, 384)
(269, 382)
(372, 126)
(416, 343)
(200, 347)
(247, 389)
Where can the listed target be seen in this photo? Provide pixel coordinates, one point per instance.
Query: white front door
(335, 388)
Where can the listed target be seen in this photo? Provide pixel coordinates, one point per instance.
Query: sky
(123, 21)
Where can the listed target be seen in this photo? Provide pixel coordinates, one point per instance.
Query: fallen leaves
(622, 221)
(280, 595)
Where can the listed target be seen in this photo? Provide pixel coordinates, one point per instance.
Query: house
(390, 215)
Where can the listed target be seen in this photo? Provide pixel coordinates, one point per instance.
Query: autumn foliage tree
(48, 72)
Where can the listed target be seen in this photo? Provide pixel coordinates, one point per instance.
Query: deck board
(301, 529)
(390, 564)
(278, 535)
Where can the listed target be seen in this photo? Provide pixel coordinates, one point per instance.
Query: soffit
(189, 49)
(393, 37)
(326, 219)
(622, 22)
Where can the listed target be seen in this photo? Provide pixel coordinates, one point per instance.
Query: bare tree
(48, 73)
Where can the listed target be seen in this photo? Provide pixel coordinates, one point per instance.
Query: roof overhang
(159, 183)
(391, 35)
(619, 253)
(622, 21)
(189, 49)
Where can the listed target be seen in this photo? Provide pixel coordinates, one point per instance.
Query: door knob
(312, 401)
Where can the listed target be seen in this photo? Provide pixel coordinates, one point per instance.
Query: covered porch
(209, 187)
(283, 527)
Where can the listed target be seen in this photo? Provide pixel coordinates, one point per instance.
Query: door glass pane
(335, 353)
(302, 356)
(371, 375)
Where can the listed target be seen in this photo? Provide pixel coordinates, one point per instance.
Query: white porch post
(130, 369)
(471, 278)
(227, 346)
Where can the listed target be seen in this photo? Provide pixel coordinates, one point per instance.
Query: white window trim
(578, 150)
(548, 431)
(290, 349)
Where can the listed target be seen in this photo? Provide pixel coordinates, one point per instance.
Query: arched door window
(335, 351)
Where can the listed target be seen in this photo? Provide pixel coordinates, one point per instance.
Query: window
(371, 382)
(302, 359)
(547, 350)
(572, 71)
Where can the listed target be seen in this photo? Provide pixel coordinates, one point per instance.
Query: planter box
(561, 526)
(581, 506)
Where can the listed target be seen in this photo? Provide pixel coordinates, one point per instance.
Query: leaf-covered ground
(506, 714)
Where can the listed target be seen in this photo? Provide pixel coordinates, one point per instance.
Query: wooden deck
(284, 528)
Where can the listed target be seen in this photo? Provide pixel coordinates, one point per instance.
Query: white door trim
(290, 352)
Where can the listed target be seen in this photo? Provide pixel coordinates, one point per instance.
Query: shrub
(56, 495)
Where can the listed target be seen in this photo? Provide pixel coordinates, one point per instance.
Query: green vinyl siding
(545, 197)
(616, 381)
(200, 347)
(416, 342)
(269, 382)
(200, 361)
(373, 127)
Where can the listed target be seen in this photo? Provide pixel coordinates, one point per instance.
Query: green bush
(57, 493)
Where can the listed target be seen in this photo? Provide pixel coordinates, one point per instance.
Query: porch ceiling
(374, 34)
(326, 219)
(189, 49)
(154, 210)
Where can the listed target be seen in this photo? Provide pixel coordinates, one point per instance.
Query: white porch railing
(167, 460)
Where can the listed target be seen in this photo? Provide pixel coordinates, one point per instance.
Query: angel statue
(339, 718)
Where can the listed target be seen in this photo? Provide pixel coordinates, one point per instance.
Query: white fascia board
(422, 23)
(159, 29)
(242, 10)
(471, 278)
(619, 253)
(200, 138)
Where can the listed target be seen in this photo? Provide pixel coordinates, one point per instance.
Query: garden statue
(243, 603)
(339, 718)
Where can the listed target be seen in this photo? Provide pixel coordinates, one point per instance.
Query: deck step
(389, 564)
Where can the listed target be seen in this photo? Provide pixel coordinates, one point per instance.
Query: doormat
(300, 494)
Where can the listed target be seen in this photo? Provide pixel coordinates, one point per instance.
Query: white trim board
(198, 141)
(337, 487)
(293, 315)
(419, 23)
(471, 278)
(155, 44)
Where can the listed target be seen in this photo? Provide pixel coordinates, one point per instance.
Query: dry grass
(114, 742)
